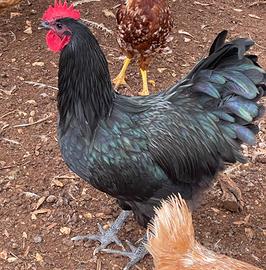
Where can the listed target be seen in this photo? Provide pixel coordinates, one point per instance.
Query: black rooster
(142, 149)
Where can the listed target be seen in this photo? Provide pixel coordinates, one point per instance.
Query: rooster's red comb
(60, 10)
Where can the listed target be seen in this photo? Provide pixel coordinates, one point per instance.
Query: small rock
(108, 211)
(44, 95)
(31, 101)
(14, 245)
(67, 242)
(37, 239)
(88, 215)
(32, 113)
(65, 230)
(38, 64)
(99, 215)
(11, 259)
(51, 199)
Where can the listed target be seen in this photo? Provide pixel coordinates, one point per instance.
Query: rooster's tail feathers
(228, 84)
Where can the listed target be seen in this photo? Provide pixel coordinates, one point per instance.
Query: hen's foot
(121, 77)
(152, 82)
(232, 196)
(120, 80)
(135, 255)
(106, 237)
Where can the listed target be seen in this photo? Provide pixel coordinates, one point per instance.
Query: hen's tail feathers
(228, 84)
(171, 235)
(172, 244)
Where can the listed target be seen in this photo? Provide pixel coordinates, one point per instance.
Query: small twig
(116, 6)
(34, 123)
(264, 48)
(98, 26)
(65, 177)
(99, 264)
(8, 167)
(230, 169)
(41, 85)
(6, 114)
(84, 1)
(14, 36)
(11, 91)
(9, 140)
(257, 3)
(111, 48)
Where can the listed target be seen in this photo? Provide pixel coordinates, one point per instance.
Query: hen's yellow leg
(145, 90)
(120, 78)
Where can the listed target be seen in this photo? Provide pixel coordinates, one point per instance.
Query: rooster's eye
(59, 26)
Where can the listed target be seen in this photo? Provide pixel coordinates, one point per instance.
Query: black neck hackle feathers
(85, 89)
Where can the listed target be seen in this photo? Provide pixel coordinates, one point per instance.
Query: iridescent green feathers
(229, 83)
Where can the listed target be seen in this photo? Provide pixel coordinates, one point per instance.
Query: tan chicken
(143, 29)
(7, 3)
(172, 244)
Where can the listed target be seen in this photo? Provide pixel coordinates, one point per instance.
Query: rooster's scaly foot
(106, 237)
(135, 255)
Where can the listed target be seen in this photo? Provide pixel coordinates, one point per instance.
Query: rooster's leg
(135, 255)
(120, 78)
(109, 236)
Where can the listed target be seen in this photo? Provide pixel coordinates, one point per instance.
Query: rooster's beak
(45, 25)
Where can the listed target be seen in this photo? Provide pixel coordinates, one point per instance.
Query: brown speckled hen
(143, 30)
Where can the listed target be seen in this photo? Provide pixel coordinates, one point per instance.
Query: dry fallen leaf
(249, 233)
(15, 14)
(57, 183)
(161, 70)
(244, 221)
(40, 202)
(38, 257)
(108, 13)
(39, 211)
(65, 230)
(6, 233)
(28, 31)
(3, 255)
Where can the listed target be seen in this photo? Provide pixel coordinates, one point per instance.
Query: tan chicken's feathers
(172, 244)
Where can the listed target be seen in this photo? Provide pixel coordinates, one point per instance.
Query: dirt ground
(43, 205)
